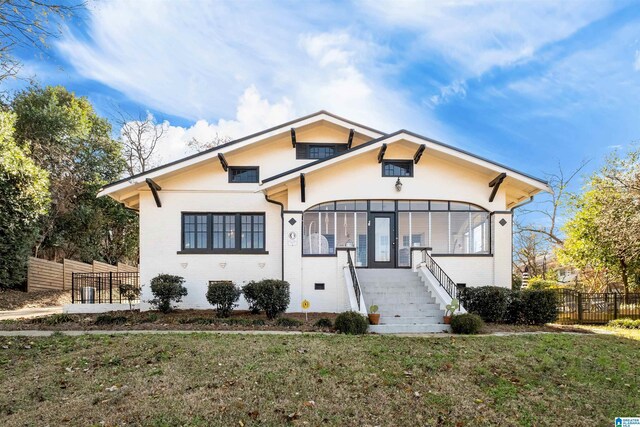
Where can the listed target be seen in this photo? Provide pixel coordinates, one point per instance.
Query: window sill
(223, 252)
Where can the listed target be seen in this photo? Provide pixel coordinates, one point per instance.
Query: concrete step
(408, 306)
(400, 297)
(425, 319)
(409, 329)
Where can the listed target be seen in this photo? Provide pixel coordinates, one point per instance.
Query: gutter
(281, 232)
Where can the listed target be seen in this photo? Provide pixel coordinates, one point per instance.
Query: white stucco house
(347, 214)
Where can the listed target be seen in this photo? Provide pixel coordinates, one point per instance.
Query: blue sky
(529, 84)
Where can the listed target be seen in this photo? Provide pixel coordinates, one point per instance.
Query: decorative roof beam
(383, 150)
(293, 137)
(154, 190)
(416, 157)
(303, 189)
(350, 141)
(223, 162)
(495, 184)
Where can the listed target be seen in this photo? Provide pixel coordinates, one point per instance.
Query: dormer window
(397, 168)
(313, 151)
(243, 174)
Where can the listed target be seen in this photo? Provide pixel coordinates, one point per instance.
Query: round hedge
(467, 323)
(352, 323)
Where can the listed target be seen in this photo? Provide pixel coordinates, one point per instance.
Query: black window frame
(237, 249)
(233, 169)
(303, 149)
(403, 161)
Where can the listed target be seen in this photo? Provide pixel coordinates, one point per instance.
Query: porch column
(292, 255)
(501, 246)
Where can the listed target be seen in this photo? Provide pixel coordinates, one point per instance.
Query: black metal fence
(601, 307)
(103, 288)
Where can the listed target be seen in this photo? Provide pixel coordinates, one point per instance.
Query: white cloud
(253, 114)
(456, 89)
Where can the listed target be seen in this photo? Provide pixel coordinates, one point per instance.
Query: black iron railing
(596, 307)
(445, 281)
(354, 277)
(103, 288)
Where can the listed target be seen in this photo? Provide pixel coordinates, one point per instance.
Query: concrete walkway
(29, 312)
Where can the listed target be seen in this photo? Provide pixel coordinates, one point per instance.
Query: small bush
(130, 292)
(352, 323)
(167, 289)
(54, 319)
(223, 296)
(538, 283)
(250, 291)
(625, 323)
(271, 296)
(288, 322)
(466, 324)
(151, 317)
(108, 319)
(258, 322)
(323, 323)
(488, 302)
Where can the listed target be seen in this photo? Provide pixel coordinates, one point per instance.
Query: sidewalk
(29, 312)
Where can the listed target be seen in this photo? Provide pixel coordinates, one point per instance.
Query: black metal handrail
(445, 281)
(354, 277)
(100, 288)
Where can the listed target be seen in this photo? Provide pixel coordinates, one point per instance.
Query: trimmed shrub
(250, 291)
(54, 319)
(223, 295)
(289, 322)
(625, 323)
(539, 306)
(467, 323)
(538, 283)
(271, 296)
(108, 319)
(488, 302)
(352, 323)
(323, 323)
(167, 289)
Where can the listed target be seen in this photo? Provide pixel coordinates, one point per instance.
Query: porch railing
(445, 281)
(354, 277)
(103, 288)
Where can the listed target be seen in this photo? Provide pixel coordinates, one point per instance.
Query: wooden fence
(43, 275)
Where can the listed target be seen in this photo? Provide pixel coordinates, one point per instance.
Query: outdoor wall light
(223, 264)
(398, 185)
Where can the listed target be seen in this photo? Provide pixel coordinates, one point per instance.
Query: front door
(382, 238)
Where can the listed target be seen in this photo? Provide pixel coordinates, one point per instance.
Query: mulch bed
(177, 320)
(16, 300)
(490, 328)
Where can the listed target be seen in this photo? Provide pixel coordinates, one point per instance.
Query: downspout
(281, 232)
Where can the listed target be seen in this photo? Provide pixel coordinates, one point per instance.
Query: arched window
(449, 228)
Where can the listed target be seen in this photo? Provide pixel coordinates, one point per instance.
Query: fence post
(579, 307)
(73, 287)
(111, 287)
(615, 305)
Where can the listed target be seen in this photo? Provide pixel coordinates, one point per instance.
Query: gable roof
(401, 134)
(209, 153)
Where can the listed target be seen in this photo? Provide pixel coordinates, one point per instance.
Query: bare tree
(139, 137)
(29, 23)
(549, 210)
(199, 146)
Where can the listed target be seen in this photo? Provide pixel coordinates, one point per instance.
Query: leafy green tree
(603, 233)
(69, 140)
(25, 198)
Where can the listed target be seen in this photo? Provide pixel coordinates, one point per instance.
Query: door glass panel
(383, 239)
(404, 239)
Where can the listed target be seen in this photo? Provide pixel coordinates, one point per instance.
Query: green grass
(209, 379)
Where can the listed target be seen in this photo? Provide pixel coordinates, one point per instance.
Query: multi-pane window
(321, 151)
(397, 168)
(235, 233)
(195, 231)
(243, 174)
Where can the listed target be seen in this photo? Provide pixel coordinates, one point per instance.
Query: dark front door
(382, 238)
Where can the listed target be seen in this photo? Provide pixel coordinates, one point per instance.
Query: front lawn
(242, 380)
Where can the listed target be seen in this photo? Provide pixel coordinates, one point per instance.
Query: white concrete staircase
(405, 302)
